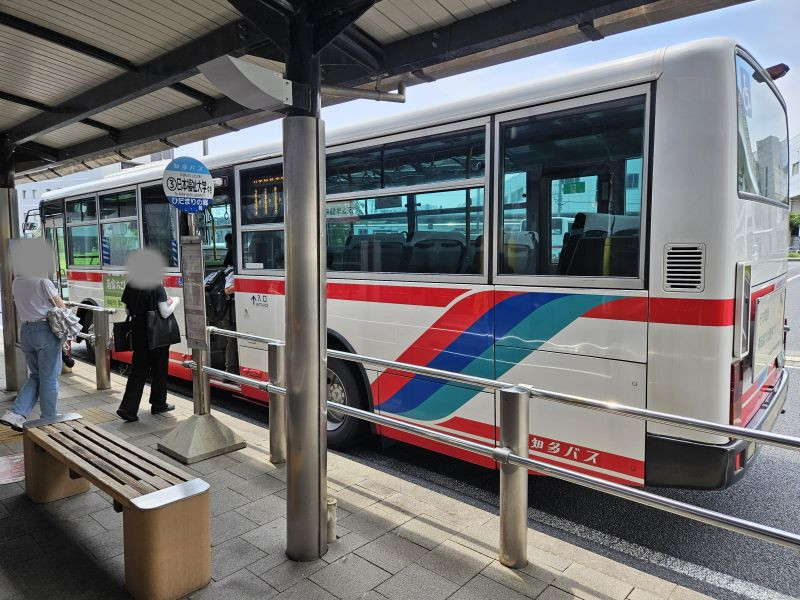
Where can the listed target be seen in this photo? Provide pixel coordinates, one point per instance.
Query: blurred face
(31, 258)
(146, 268)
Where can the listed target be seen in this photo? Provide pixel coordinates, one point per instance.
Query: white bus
(665, 176)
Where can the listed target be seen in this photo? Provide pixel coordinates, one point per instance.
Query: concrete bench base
(166, 514)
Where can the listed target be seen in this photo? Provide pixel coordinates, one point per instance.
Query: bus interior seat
(585, 247)
(380, 252)
(519, 252)
(474, 263)
(437, 252)
(267, 253)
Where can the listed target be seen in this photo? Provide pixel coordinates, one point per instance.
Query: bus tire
(343, 387)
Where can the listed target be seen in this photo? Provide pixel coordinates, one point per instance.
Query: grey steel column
(276, 356)
(8, 217)
(102, 355)
(306, 362)
(200, 381)
(513, 479)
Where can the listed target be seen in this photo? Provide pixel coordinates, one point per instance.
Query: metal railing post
(276, 358)
(102, 354)
(513, 479)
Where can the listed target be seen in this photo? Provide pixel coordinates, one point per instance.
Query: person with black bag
(152, 329)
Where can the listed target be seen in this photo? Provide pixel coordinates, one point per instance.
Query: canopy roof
(84, 83)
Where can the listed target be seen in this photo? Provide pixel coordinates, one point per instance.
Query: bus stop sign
(188, 185)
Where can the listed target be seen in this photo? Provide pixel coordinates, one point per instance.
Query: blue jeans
(43, 355)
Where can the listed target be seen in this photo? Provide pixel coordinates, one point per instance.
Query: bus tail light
(737, 376)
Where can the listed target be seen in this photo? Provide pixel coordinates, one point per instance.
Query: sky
(768, 29)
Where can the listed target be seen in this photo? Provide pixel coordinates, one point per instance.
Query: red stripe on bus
(484, 430)
(171, 281)
(385, 294)
(584, 471)
(84, 276)
(597, 458)
(621, 309)
(479, 459)
(691, 311)
(275, 287)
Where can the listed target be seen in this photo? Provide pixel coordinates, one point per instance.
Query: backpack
(216, 300)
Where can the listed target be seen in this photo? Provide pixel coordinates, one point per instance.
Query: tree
(794, 223)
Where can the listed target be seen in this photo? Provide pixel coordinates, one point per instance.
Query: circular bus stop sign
(188, 185)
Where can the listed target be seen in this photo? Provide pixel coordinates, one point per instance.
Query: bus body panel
(600, 444)
(650, 346)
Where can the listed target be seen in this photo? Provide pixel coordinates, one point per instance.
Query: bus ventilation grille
(684, 267)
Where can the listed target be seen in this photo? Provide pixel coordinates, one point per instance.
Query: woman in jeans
(33, 296)
(145, 292)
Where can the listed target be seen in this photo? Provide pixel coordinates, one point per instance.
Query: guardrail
(276, 361)
(513, 420)
(100, 339)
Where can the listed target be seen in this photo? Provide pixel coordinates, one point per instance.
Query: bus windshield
(763, 138)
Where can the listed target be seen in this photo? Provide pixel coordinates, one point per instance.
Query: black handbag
(123, 330)
(122, 336)
(160, 331)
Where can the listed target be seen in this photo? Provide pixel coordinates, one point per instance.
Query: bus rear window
(763, 139)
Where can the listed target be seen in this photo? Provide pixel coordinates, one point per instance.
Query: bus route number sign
(188, 184)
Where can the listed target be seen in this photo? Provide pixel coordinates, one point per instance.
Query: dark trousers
(146, 362)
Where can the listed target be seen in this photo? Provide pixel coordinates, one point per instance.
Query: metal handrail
(689, 511)
(240, 335)
(90, 307)
(264, 386)
(505, 456)
(482, 382)
(743, 433)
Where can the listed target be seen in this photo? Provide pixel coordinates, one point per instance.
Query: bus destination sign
(188, 184)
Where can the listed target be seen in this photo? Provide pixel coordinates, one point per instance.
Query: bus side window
(261, 214)
(160, 223)
(572, 191)
(119, 230)
(437, 232)
(82, 232)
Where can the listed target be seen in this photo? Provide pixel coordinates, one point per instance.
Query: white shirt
(29, 297)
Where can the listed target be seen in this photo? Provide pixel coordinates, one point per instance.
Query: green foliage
(794, 223)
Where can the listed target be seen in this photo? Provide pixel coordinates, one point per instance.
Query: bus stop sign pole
(202, 435)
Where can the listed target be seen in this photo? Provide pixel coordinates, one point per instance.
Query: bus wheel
(343, 430)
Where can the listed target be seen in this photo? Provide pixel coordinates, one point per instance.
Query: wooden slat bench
(166, 513)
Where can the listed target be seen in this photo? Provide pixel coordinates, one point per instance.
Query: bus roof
(639, 68)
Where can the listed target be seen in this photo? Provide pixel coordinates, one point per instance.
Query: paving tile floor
(397, 540)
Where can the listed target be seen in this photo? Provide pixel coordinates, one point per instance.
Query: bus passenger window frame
(482, 182)
(584, 102)
(140, 218)
(135, 218)
(241, 230)
(69, 225)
